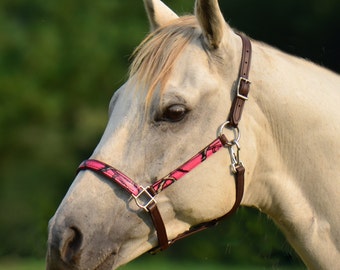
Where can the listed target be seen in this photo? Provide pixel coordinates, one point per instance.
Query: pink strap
(112, 174)
(133, 188)
(196, 160)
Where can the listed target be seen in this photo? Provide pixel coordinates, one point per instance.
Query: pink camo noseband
(134, 189)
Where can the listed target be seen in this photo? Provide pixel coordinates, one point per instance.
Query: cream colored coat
(290, 147)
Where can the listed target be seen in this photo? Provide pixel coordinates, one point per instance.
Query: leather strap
(243, 83)
(163, 242)
(243, 87)
(239, 183)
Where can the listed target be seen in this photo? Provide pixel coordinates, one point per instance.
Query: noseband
(145, 196)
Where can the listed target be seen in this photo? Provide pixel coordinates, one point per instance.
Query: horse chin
(107, 261)
(113, 261)
(129, 253)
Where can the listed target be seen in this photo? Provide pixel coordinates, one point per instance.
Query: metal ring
(226, 125)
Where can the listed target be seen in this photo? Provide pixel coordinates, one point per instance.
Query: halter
(145, 196)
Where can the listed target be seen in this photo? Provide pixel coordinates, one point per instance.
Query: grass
(155, 264)
(22, 264)
(144, 264)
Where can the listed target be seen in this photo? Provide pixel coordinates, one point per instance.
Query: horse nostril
(70, 245)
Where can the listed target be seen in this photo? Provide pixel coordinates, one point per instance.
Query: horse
(233, 115)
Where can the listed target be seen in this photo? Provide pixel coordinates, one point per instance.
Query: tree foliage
(60, 62)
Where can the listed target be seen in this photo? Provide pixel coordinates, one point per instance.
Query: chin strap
(164, 244)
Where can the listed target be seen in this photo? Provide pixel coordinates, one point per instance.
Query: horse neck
(295, 119)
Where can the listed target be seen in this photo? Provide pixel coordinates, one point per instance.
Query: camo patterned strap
(110, 173)
(192, 163)
(133, 188)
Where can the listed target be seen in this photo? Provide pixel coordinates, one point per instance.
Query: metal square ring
(148, 199)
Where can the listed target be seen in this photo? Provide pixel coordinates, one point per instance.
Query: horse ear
(212, 22)
(159, 14)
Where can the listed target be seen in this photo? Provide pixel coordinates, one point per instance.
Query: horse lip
(106, 261)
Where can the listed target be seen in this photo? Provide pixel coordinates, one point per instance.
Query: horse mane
(154, 58)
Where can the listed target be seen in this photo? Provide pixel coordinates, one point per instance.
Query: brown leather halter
(145, 197)
(242, 91)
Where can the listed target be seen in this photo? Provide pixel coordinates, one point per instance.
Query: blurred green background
(61, 61)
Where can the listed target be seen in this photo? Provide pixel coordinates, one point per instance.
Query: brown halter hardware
(243, 87)
(242, 91)
(141, 194)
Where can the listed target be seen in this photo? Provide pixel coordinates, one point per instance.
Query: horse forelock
(154, 58)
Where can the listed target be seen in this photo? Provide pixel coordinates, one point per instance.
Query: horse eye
(175, 113)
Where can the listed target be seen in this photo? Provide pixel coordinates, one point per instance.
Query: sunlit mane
(156, 55)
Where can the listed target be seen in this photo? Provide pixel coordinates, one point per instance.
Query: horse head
(177, 95)
(188, 77)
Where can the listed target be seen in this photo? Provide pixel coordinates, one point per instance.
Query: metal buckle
(235, 157)
(143, 199)
(240, 79)
(232, 145)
